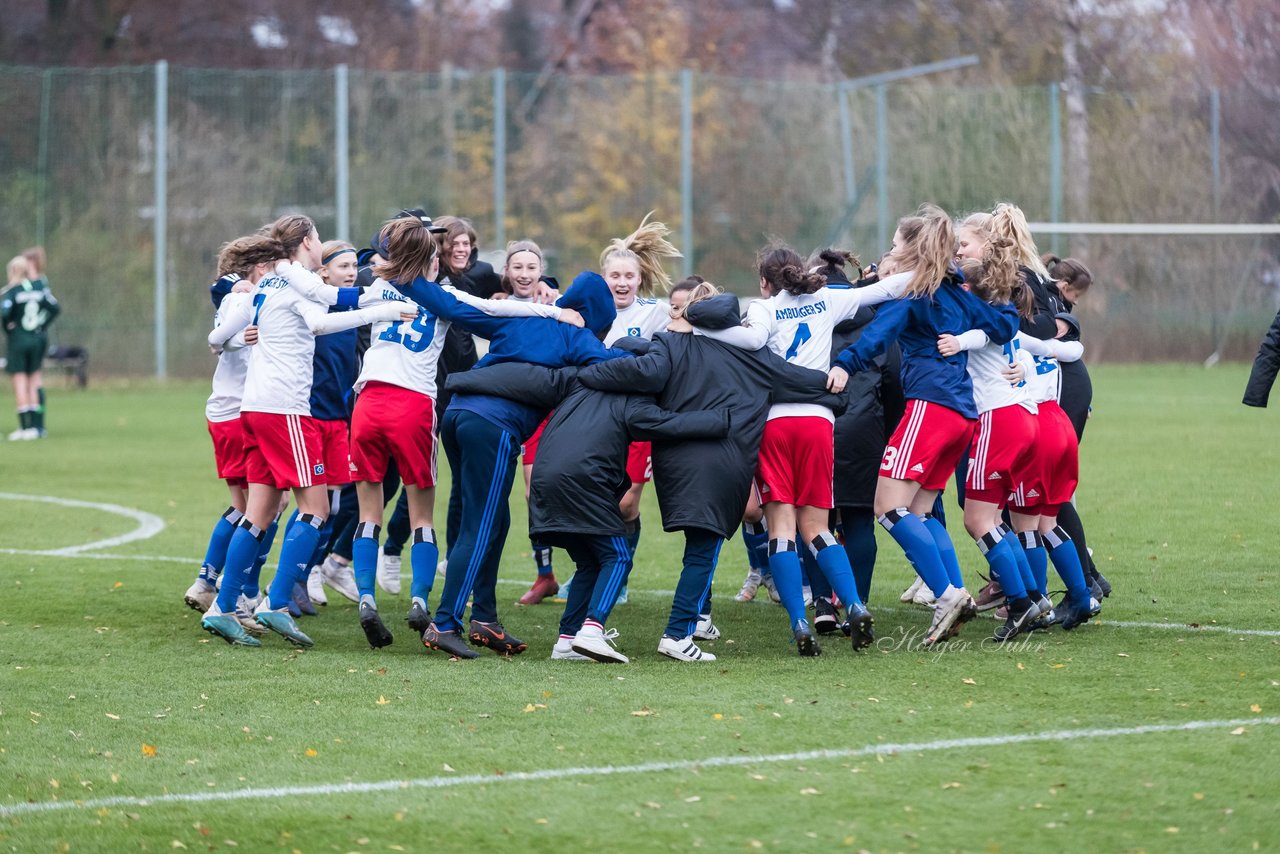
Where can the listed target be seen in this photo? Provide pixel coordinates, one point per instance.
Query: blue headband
(326, 259)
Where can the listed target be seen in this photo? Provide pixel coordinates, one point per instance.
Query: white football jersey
(403, 354)
(280, 364)
(228, 377)
(642, 319)
(991, 390)
(799, 328)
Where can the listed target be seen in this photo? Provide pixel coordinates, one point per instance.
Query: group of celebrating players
(341, 369)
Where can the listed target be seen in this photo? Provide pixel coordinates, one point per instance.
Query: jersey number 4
(423, 325)
(802, 335)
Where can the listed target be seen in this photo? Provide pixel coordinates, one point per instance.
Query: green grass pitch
(111, 695)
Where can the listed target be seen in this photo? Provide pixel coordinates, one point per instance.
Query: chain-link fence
(89, 157)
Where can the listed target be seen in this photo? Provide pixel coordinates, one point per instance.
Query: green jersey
(27, 308)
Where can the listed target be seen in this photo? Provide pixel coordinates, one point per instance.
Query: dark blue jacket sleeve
(888, 325)
(1000, 322)
(583, 348)
(441, 303)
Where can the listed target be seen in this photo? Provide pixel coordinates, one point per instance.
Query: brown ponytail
(1069, 271)
(410, 249)
(241, 255)
(784, 270)
(290, 230)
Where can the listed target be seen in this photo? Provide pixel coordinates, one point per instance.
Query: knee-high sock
(946, 549)
(834, 564)
(859, 529)
(255, 572)
(819, 584)
(1066, 560)
(216, 553)
(1033, 584)
(995, 548)
(921, 549)
(295, 551)
(785, 563)
(364, 557)
(541, 557)
(423, 555)
(756, 539)
(243, 548)
(1069, 521)
(1033, 548)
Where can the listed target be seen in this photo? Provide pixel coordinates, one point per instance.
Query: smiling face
(622, 275)
(340, 271)
(524, 269)
(459, 254)
(970, 244)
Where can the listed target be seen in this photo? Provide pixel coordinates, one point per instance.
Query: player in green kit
(27, 307)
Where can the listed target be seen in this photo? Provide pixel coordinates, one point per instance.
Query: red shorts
(228, 450)
(530, 447)
(391, 422)
(927, 444)
(640, 462)
(797, 455)
(1003, 454)
(337, 451)
(1057, 470)
(284, 451)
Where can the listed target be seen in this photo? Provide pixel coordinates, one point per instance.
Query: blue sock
(834, 563)
(819, 584)
(1038, 559)
(858, 528)
(241, 551)
(910, 532)
(1004, 566)
(216, 554)
(255, 572)
(322, 546)
(364, 557)
(756, 539)
(946, 549)
(299, 543)
(1066, 560)
(423, 556)
(785, 564)
(541, 557)
(1034, 585)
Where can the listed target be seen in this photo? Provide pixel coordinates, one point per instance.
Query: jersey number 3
(423, 324)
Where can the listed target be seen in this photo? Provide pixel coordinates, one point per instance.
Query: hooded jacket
(704, 483)
(916, 323)
(581, 471)
(536, 340)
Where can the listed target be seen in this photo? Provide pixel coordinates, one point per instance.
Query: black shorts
(25, 354)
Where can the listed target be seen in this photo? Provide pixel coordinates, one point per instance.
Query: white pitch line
(1199, 627)
(619, 770)
(149, 524)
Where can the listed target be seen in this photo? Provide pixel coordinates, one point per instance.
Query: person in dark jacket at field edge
(703, 484)
(1265, 367)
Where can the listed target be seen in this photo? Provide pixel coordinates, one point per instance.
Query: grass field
(124, 727)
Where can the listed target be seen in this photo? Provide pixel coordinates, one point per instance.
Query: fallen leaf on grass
(539, 821)
(644, 712)
(968, 682)
(717, 717)
(383, 701)
(311, 751)
(117, 585)
(653, 805)
(692, 799)
(113, 717)
(1122, 654)
(177, 843)
(1255, 708)
(447, 767)
(950, 785)
(810, 792)
(1239, 731)
(148, 750)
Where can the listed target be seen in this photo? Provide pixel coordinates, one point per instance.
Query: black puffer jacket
(1265, 366)
(705, 483)
(581, 471)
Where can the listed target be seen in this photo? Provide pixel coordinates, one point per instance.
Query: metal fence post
(161, 214)
(882, 168)
(846, 144)
(686, 170)
(500, 157)
(341, 153)
(1055, 163)
(42, 157)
